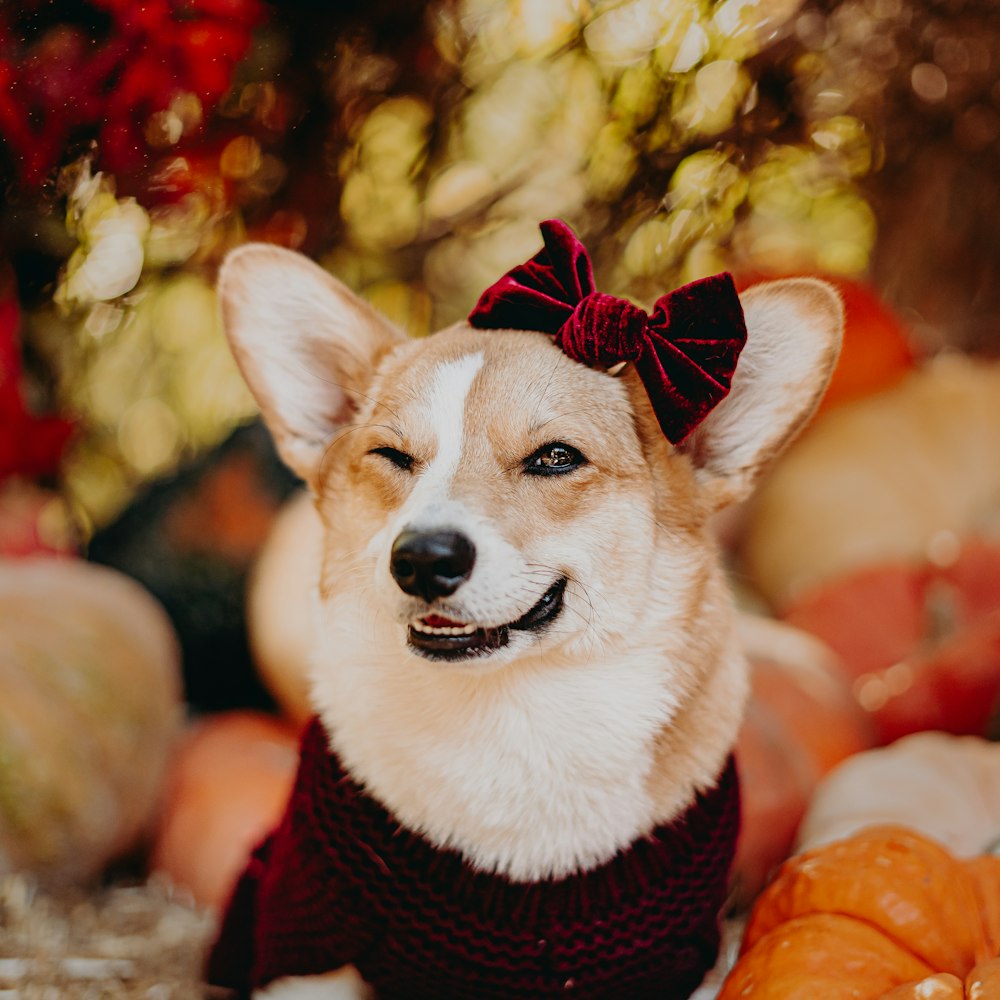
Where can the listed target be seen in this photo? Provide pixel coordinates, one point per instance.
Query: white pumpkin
(947, 787)
(282, 605)
(891, 477)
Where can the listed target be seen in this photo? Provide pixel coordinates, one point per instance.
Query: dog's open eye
(398, 458)
(552, 459)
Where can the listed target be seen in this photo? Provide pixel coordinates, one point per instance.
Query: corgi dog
(527, 651)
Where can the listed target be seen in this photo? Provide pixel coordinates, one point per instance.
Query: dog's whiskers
(591, 620)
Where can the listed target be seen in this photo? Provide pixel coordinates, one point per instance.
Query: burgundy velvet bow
(685, 353)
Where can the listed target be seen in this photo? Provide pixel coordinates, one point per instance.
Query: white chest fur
(537, 769)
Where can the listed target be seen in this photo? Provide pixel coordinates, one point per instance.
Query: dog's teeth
(449, 630)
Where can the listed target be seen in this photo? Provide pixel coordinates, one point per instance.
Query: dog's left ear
(794, 330)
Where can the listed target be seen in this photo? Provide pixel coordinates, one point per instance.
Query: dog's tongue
(437, 621)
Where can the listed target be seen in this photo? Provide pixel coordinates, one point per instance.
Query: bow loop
(603, 330)
(540, 293)
(685, 353)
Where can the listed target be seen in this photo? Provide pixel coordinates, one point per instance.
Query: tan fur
(558, 750)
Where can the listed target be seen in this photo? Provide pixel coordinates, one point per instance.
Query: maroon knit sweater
(341, 882)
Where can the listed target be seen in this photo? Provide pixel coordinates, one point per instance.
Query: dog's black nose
(431, 564)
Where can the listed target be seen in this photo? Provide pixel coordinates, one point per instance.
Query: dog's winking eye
(398, 458)
(552, 459)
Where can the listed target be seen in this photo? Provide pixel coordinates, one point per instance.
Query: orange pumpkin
(877, 349)
(801, 721)
(775, 786)
(873, 617)
(822, 956)
(985, 873)
(983, 980)
(982, 983)
(823, 721)
(799, 679)
(860, 917)
(921, 641)
(228, 787)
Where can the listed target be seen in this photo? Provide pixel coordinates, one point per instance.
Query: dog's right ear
(305, 343)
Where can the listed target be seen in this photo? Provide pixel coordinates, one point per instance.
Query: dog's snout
(431, 564)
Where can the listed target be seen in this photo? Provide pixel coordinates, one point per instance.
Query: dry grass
(124, 942)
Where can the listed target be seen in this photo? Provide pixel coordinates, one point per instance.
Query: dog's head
(526, 645)
(489, 496)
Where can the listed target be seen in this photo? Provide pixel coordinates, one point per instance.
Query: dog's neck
(549, 765)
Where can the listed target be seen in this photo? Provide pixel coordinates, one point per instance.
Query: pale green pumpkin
(89, 711)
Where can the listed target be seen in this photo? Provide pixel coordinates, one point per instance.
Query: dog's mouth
(438, 638)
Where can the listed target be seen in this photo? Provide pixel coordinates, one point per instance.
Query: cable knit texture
(685, 351)
(340, 881)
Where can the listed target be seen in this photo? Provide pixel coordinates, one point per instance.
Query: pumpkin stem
(941, 613)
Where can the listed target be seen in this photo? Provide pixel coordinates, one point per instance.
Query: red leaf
(29, 445)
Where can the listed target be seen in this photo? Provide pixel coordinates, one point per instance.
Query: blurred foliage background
(412, 148)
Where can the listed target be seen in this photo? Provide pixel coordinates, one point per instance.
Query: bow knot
(685, 352)
(603, 330)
